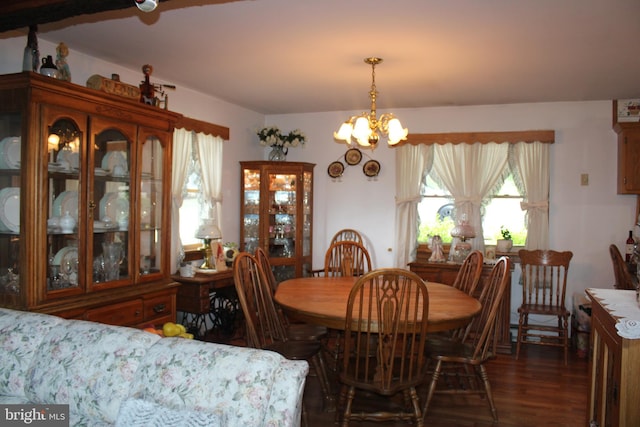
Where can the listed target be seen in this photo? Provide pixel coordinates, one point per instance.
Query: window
(472, 165)
(193, 205)
(503, 209)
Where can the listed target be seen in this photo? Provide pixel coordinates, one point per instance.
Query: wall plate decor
(335, 169)
(371, 168)
(353, 156)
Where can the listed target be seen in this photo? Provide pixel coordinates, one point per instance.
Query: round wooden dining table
(323, 301)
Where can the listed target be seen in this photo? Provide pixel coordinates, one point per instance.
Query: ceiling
(289, 56)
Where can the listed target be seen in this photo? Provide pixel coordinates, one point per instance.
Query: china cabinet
(614, 369)
(628, 131)
(277, 213)
(84, 196)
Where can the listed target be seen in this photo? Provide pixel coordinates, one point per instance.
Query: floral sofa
(111, 375)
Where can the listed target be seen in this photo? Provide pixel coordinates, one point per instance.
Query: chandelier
(366, 127)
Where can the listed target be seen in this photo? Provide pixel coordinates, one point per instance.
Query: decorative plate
(371, 168)
(335, 169)
(10, 209)
(353, 156)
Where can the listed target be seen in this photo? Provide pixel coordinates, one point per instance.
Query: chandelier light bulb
(344, 133)
(147, 5)
(396, 132)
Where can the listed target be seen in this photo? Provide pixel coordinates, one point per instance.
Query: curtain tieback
(415, 199)
(461, 201)
(542, 206)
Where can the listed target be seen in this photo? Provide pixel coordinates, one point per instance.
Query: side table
(208, 296)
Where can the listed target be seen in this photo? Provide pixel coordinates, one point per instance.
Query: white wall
(584, 220)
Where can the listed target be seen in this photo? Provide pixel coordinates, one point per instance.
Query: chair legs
(562, 330)
(479, 371)
(344, 412)
(329, 403)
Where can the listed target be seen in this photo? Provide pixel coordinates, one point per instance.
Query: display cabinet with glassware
(277, 214)
(84, 196)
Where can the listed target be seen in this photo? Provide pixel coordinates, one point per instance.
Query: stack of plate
(114, 207)
(10, 153)
(67, 201)
(69, 157)
(113, 159)
(66, 255)
(10, 209)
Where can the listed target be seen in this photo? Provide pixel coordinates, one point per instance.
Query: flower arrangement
(271, 136)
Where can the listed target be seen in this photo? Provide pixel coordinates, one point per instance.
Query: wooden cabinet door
(628, 158)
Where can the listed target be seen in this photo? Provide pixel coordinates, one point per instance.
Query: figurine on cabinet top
(437, 254)
(62, 51)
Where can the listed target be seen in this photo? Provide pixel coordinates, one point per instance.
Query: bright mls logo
(34, 415)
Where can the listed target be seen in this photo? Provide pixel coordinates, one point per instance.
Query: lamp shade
(396, 132)
(208, 230)
(463, 230)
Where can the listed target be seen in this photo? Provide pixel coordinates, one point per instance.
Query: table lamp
(462, 231)
(208, 231)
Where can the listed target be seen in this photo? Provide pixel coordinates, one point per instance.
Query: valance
(198, 126)
(512, 137)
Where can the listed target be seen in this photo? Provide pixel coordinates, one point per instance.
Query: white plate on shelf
(10, 153)
(114, 207)
(68, 253)
(104, 226)
(113, 158)
(10, 208)
(100, 172)
(67, 201)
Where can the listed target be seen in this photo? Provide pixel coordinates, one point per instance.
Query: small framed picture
(490, 252)
(628, 110)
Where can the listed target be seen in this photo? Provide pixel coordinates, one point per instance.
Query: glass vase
(278, 153)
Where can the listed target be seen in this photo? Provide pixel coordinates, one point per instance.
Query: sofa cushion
(20, 335)
(89, 366)
(140, 413)
(235, 383)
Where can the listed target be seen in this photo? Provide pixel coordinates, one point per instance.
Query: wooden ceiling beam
(15, 14)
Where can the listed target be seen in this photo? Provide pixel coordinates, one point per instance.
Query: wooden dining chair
(295, 331)
(263, 325)
(459, 363)
(544, 286)
(623, 278)
(383, 348)
(347, 234)
(467, 281)
(346, 258)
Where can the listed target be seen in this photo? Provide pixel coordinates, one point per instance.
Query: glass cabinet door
(65, 147)
(151, 204)
(110, 241)
(282, 215)
(10, 168)
(307, 209)
(251, 219)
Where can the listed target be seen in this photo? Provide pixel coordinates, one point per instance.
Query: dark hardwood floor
(536, 390)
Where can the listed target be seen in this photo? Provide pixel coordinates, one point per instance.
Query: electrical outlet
(584, 179)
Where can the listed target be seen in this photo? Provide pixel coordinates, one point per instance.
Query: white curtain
(470, 172)
(531, 162)
(179, 165)
(412, 163)
(210, 154)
